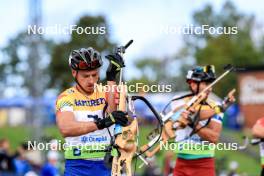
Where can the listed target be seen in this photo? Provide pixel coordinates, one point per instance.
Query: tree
(237, 49)
(16, 68)
(166, 71)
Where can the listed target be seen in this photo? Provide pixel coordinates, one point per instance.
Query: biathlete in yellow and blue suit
(79, 114)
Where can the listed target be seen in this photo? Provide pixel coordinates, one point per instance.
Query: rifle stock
(125, 137)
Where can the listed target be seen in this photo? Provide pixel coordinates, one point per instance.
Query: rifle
(126, 141)
(172, 120)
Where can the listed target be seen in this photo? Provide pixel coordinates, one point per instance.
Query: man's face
(194, 86)
(87, 79)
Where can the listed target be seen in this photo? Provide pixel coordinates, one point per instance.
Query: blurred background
(34, 68)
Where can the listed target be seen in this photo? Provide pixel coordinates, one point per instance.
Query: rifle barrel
(128, 44)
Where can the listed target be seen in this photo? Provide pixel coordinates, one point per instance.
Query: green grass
(238, 136)
(16, 135)
(53, 131)
(247, 164)
(20, 134)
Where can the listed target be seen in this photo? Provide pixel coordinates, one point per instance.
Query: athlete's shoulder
(65, 99)
(67, 92)
(213, 103)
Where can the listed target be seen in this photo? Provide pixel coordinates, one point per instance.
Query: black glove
(116, 63)
(116, 117)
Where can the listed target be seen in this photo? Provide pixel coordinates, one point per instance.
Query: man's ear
(74, 73)
(192, 84)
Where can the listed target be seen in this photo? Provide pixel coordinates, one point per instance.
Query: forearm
(208, 134)
(112, 106)
(75, 128)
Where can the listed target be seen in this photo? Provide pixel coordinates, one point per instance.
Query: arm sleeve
(218, 117)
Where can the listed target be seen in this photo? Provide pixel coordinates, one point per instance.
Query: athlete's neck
(83, 91)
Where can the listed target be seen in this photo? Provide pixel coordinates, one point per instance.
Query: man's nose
(90, 79)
